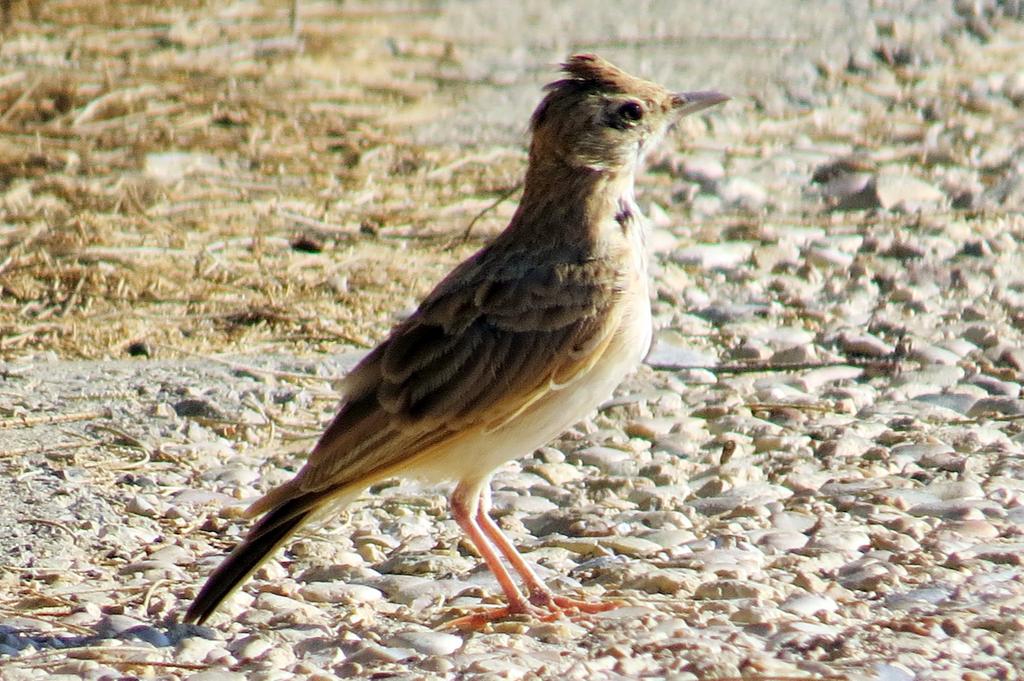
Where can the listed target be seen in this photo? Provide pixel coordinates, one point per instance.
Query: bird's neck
(577, 205)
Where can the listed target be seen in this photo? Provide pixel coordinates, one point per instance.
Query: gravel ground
(818, 472)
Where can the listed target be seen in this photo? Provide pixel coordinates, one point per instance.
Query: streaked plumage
(516, 344)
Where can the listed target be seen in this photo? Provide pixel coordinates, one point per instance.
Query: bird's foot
(542, 606)
(574, 608)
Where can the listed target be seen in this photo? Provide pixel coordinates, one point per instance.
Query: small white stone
(810, 604)
(216, 675)
(428, 642)
(741, 192)
(722, 256)
(339, 592)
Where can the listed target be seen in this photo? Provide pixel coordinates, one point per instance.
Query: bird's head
(600, 117)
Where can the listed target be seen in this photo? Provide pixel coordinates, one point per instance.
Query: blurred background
(171, 173)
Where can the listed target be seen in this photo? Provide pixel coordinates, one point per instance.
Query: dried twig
(312, 223)
(497, 202)
(52, 523)
(125, 97)
(43, 447)
(6, 115)
(51, 419)
(799, 406)
(887, 364)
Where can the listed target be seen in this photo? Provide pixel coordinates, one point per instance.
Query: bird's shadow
(17, 639)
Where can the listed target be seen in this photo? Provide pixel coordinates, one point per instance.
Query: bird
(516, 344)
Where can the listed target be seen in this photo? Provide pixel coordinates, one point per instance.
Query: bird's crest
(588, 73)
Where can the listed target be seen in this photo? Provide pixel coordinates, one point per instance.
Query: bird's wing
(477, 353)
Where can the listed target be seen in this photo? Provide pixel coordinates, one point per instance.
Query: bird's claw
(542, 606)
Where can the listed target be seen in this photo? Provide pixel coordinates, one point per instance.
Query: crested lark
(519, 342)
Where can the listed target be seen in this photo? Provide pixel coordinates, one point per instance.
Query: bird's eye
(631, 112)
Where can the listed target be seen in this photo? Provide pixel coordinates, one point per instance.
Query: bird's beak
(686, 103)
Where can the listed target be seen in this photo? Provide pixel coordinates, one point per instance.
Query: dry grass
(187, 178)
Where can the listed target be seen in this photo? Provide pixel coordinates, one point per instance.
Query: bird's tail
(265, 537)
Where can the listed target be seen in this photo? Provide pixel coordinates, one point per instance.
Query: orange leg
(470, 504)
(465, 503)
(540, 594)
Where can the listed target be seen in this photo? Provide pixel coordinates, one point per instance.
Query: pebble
(977, 528)
(813, 380)
(427, 642)
(915, 597)
(250, 648)
(439, 665)
(117, 624)
(282, 605)
(722, 256)
(743, 193)
(660, 581)
(153, 569)
(917, 451)
(946, 461)
(865, 345)
(843, 180)
(195, 649)
(608, 460)
(493, 669)
(650, 429)
(667, 539)
(216, 675)
(906, 194)
(957, 402)
(703, 169)
(145, 505)
(634, 547)
(560, 631)
(849, 446)
(723, 312)
(953, 509)
(739, 562)
(783, 336)
(792, 521)
(867, 576)
(661, 241)
(885, 671)
(994, 386)
(407, 589)
(732, 589)
(959, 346)
(934, 376)
(373, 654)
(933, 354)
(782, 540)
(172, 554)
(339, 592)
(716, 505)
(809, 604)
(533, 503)
(998, 406)
(829, 257)
(798, 354)
(955, 490)
(839, 540)
(556, 473)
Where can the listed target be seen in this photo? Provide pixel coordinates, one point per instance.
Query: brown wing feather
(479, 351)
